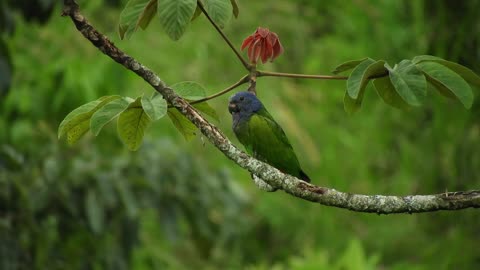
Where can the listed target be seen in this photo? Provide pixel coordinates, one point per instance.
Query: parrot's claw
(262, 185)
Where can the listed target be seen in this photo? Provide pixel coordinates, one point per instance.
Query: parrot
(261, 135)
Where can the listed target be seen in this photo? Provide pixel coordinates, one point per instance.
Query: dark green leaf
(136, 13)
(235, 8)
(409, 82)
(197, 13)
(351, 105)
(189, 90)
(358, 80)
(106, 114)
(207, 109)
(77, 122)
(131, 125)
(175, 15)
(155, 107)
(387, 92)
(185, 127)
(219, 10)
(468, 75)
(347, 65)
(447, 82)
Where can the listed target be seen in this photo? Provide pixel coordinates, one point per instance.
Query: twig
(261, 73)
(239, 56)
(379, 204)
(243, 80)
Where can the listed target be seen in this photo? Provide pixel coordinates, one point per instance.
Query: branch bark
(326, 196)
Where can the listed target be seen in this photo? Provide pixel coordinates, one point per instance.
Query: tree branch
(239, 56)
(361, 203)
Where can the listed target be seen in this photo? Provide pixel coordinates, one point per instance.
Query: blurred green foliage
(179, 205)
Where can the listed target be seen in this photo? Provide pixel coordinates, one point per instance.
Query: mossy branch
(380, 204)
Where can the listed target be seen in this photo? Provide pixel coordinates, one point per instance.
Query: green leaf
(467, 74)
(351, 105)
(94, 212)
(197, 13)
(155, 107)
(77, 122)
(189, 90)
(185, 127)
(136, 13)
(448, 82)
(106, 114)
(207, 109)
(358, 80)
(219, 10)
(175, 15)
(409, 82)
(347, 65)
(387, 92)
(131, 125)
(235, 8)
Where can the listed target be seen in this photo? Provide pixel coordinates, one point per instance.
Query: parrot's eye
(242, 98)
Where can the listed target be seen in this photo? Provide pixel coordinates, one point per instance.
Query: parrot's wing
(275, 127)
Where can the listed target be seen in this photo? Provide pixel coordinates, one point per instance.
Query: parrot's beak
(232, 107)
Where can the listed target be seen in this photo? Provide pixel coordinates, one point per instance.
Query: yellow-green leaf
(155, 107)
(183, 125)
(77, 122)
(131, 125)
(106, 114)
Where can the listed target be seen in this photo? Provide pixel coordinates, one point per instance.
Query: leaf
(189, 90)
(155, 107)
(185, 127)
(235, 8)
(76, 123)
(94, 212)
(219, 10)
(351, 105)
(197, 13)
(467, 74)
(357, 81)
(136, 13)
(148, 14)
(409, 82)
(387, 92)
(448, 82)
(106, 114)
(207, 109)
(175, 16)
(347, 65)
(131, 125)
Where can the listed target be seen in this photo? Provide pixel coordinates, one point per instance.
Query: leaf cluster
(133, 116)
(405, 85)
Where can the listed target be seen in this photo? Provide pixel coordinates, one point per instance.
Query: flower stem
(244, 62)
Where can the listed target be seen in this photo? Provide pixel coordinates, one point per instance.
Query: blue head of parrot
(244, 103)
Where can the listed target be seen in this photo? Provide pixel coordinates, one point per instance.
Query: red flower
(262, 44)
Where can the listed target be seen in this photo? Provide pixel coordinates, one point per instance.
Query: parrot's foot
(262, 185)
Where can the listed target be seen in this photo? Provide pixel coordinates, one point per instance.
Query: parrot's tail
(304, 176)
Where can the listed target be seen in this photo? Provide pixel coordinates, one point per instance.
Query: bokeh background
(182, 205)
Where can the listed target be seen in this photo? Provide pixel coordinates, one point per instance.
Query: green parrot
(262, 137)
